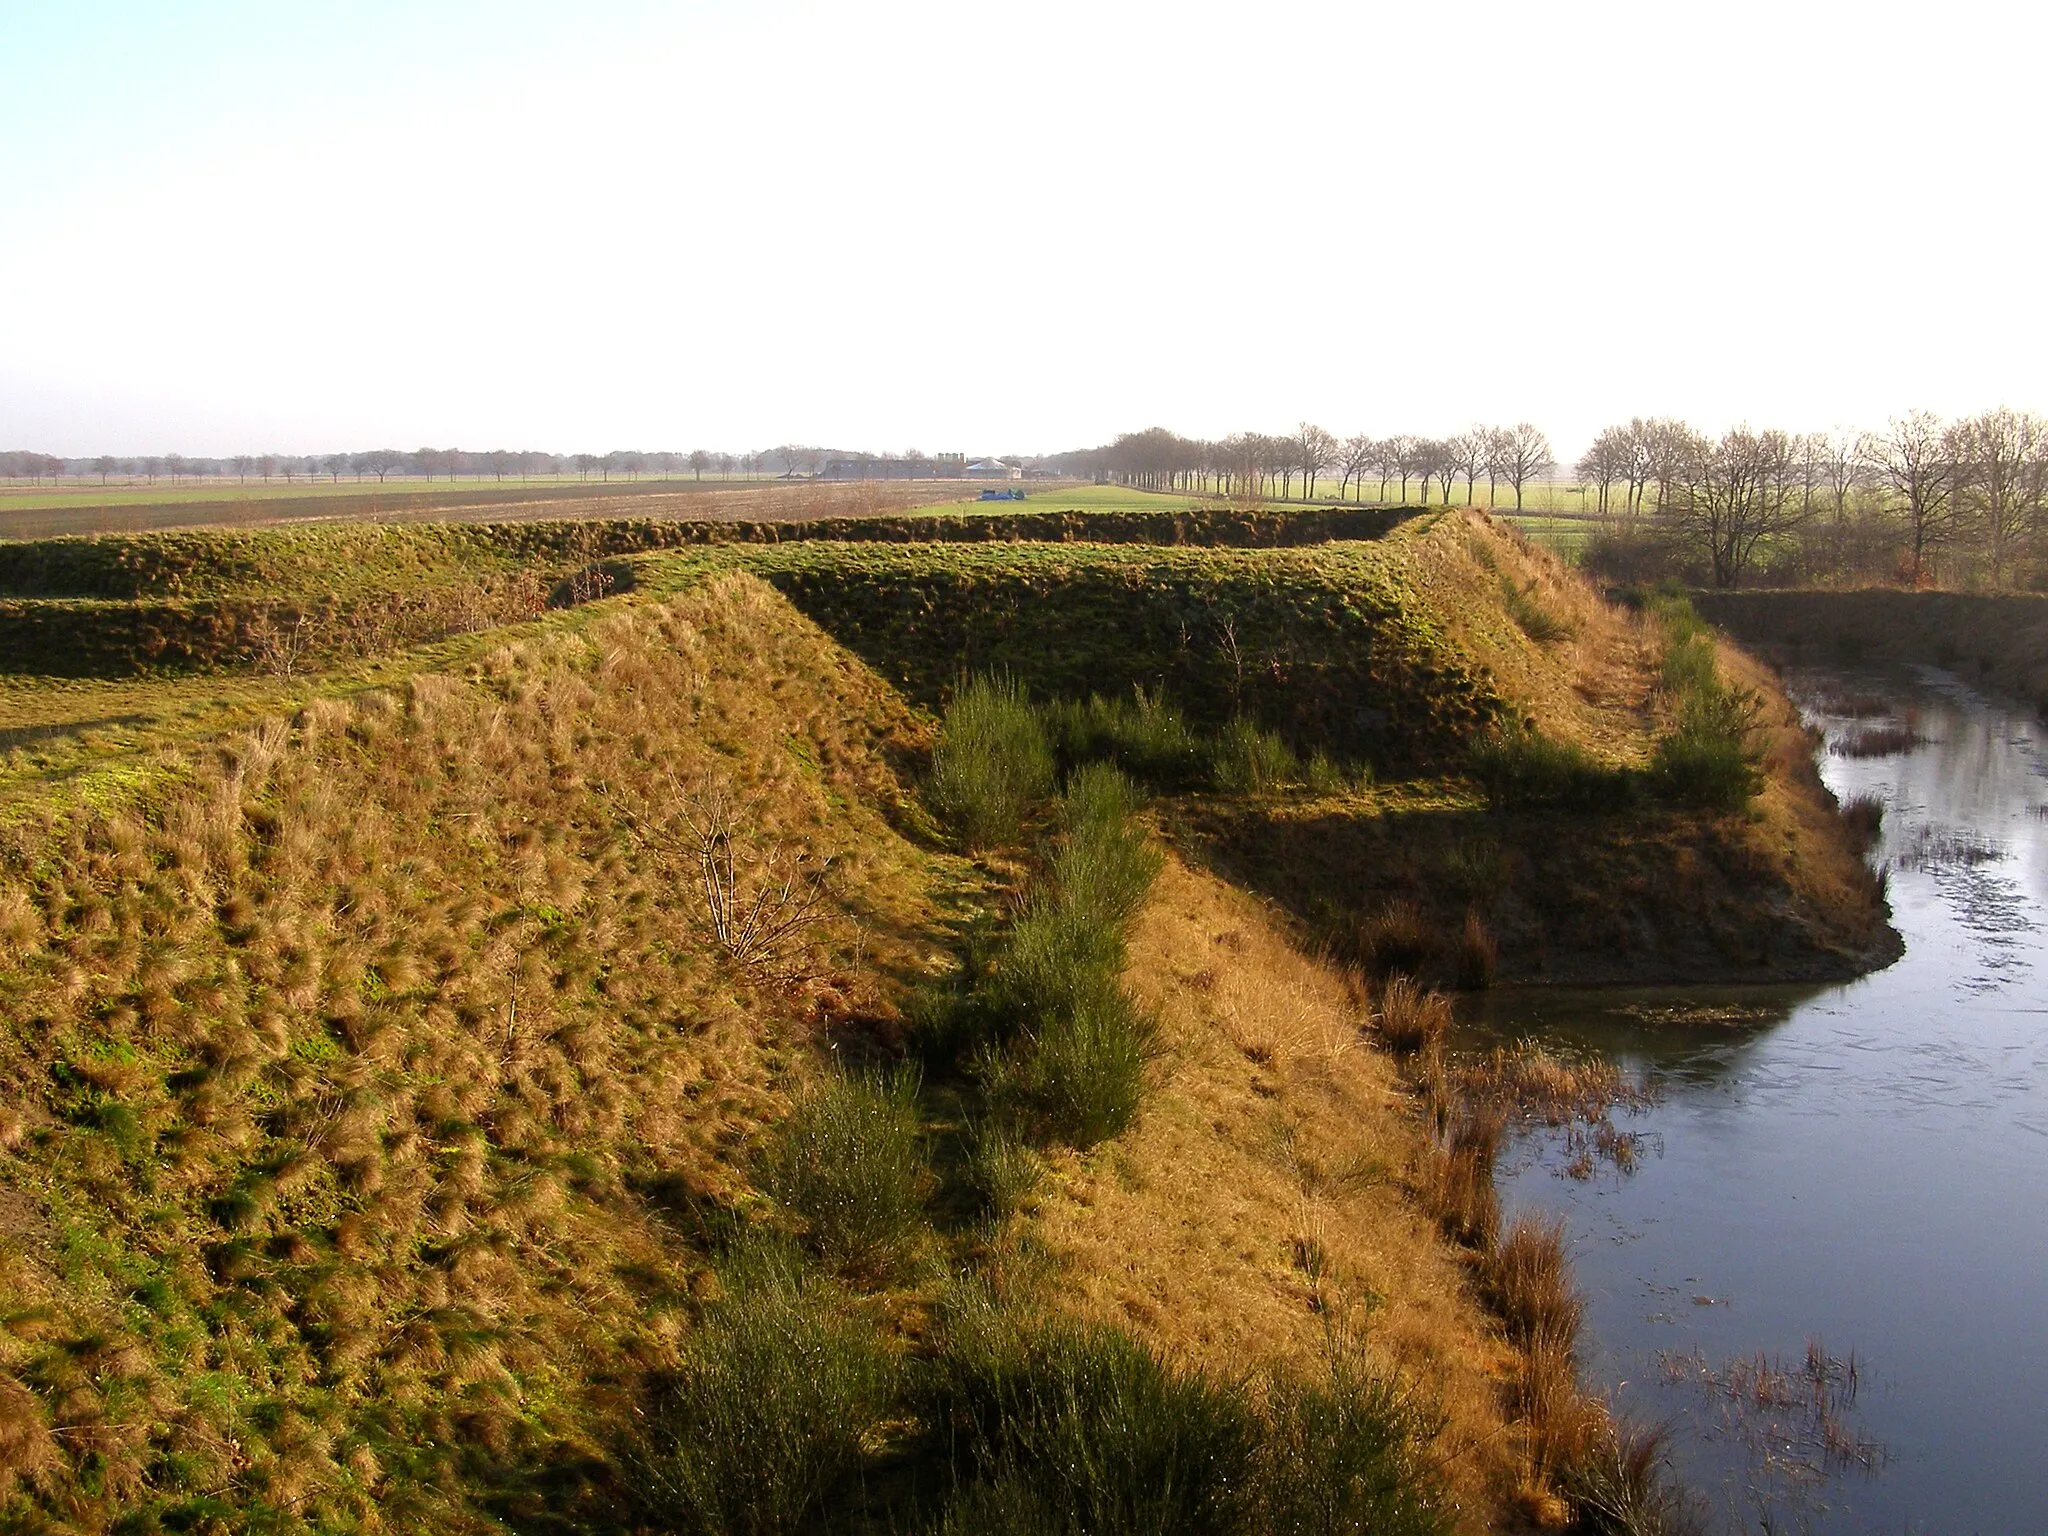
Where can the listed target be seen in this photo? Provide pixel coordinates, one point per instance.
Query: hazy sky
(235, 227)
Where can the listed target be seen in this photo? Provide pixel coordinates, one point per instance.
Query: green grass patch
(1522, 769)
(849, 1161)
(775, 1405)
(1062, 1427)
(993, 763)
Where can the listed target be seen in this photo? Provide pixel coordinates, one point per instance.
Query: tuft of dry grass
(1411, 1017)
(1526, 1279)
(1478, 954)
(1396, 940)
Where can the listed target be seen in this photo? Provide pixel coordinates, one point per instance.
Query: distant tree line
(1258, 464)
(1923, 500)
(381, 464)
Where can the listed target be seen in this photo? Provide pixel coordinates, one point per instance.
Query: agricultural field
(646, 1025)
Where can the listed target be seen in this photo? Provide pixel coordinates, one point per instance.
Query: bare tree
(1406, 453)
(1498, 442)
(1998, 458)
(1468, 457)
(1606, 462)
(1525, 456)
(1355, 458)
(1912, 457)
(1731, 495)
(1314, 449)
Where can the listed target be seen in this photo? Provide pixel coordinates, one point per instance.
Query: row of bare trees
(1258, 464)
(1922, 499)
(380, 464)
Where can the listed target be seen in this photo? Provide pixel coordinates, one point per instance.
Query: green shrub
(1105, 864)
(1060, 1426)
(1056, 957)
(1061, 1049)
(1521, 768)
(1248, 760)
(992, 764)
(1143, 735)
(1076, 1075)
(1689, 666)
(1710, 759)
(1326, 776)
(1340, 1456)
(998, 1169)
(849, 1160)
(772, 1408)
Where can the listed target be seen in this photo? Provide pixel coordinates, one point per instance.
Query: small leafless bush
(283, 645)
(761, 899)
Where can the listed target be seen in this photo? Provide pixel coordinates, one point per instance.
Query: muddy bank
(2000, 640)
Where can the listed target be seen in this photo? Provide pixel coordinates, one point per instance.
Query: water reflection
(1864, 1165)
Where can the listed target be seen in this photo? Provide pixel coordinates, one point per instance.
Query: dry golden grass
(364, 1068)
(1592, 688)
(1261, 1199)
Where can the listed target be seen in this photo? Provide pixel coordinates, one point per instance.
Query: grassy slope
(355, 1075)
(1653, 893)
(365, 1078)
(1260, 1203)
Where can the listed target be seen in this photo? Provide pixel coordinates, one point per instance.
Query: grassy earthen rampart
(119, 605)
(1328, 646)
(361, 1071)
(378, 1092)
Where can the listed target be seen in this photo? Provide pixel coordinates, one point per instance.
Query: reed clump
(1397, 940)
(1864, 817)
(1412, 1018)
(1478, 954)
(1526, 1280)
(1876, 741)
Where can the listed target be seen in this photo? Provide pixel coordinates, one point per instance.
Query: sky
(297, 227)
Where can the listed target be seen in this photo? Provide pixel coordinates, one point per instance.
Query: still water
(1828, 1269)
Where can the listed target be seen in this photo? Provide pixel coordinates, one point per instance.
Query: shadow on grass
(1651, 892)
